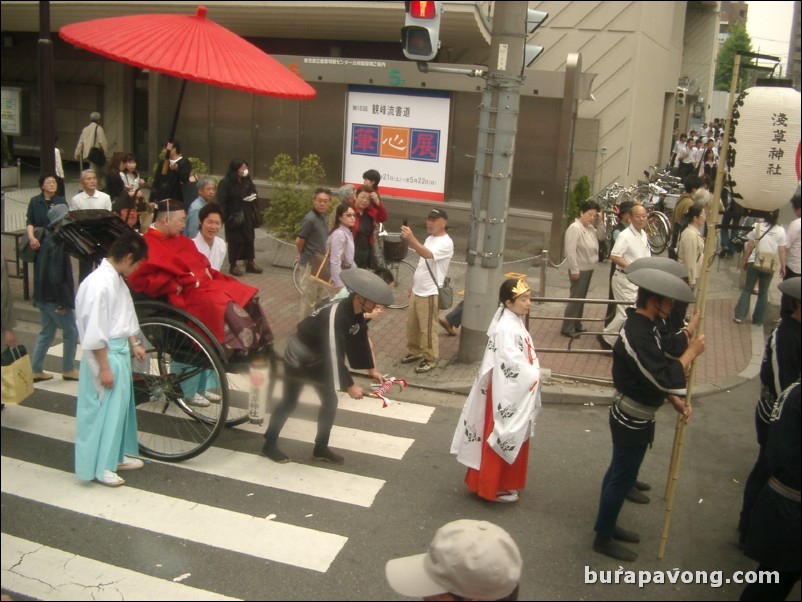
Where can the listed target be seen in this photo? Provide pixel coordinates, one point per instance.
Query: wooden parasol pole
(701, 304)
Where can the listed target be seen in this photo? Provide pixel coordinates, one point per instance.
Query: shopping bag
(17, 375)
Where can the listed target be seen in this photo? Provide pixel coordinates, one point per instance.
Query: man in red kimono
(175, 269)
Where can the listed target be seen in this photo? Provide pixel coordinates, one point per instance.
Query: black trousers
(241, 250)
(293, 383)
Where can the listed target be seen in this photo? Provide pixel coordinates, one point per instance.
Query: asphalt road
(207, 522)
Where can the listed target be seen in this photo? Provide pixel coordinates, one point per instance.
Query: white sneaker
(199, 401)
(130, 463)
(212, 396)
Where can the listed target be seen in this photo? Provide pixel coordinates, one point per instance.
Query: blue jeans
(763, 282)
(51, 321)
(618, 480)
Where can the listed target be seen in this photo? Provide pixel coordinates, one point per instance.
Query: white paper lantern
(766, 170)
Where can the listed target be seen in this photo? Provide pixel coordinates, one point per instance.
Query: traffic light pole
(498, 125)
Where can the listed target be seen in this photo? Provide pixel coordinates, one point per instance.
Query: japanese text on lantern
(779, 121)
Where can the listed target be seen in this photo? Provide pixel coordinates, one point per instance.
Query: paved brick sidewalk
(732, 355)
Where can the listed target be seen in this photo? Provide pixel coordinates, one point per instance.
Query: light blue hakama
(105, 425)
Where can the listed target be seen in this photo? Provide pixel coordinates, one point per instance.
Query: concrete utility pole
(498, 125)
(47, 140)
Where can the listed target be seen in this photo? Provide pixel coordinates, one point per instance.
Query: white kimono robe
(515, 394)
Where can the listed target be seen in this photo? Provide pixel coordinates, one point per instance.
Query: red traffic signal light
(422, 10)
(420, 36)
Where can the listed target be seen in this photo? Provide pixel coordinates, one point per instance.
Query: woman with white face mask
(237, 194)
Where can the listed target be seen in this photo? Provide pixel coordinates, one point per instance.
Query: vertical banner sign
(402, 135)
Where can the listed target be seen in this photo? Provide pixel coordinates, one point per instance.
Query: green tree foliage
(579, 194)
(738, 40)
(292, 186)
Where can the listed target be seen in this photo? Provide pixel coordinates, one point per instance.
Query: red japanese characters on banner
(766, 171)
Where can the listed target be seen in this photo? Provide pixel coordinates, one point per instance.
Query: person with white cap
(316, 354)
(645, 376)
(466, 560)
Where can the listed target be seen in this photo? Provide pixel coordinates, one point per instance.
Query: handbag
(258, 220)
(765, 262)
(17, 375)
(96, 154)
(445, 294)
(236, 220)
(320, 269)
(24, 250)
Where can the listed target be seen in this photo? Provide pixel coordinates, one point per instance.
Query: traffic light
(681, 96)
(420, 36)
(534, 19)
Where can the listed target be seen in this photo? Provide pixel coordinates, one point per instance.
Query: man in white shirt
(436, 251)
(792, 256)
(680, 148)
(631, 244)
(89, 198)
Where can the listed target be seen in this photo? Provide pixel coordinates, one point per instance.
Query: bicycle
(394, 249)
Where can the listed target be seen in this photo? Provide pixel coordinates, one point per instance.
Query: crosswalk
(41, 570)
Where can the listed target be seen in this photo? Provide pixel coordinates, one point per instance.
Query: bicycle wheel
(179, 364)
(657, 231)
(402, 274)
(296, 276)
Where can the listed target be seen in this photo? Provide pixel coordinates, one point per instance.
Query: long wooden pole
(701, 304)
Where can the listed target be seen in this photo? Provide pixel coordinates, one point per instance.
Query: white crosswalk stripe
(25, 562)
(43, 571)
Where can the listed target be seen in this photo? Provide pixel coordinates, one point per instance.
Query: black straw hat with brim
(658, 263)
(792, 287)
(662, 283)
(367, 284)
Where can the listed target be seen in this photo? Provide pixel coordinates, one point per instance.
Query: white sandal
(130, 463)
(110, 479)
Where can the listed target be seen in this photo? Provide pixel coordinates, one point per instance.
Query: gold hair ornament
(520, 288)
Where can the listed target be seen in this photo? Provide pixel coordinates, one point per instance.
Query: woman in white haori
(492, 436)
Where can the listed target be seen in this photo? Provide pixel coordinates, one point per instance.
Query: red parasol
(189, 47)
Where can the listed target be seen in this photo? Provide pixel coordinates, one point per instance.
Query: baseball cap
(470, 558)
(435, 213)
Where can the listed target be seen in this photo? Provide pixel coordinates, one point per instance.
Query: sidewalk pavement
(732, 355)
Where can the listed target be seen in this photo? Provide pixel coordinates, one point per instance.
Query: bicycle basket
(395, 247)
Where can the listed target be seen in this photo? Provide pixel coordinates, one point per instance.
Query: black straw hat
(662, 283)
(792, 287)
(367, 284)
(658, 263)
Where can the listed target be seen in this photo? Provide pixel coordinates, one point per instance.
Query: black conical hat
(792, 287)
(369, 285)
(658, 263)
(662, 283)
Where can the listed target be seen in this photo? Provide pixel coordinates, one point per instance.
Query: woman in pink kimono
(492, 437)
